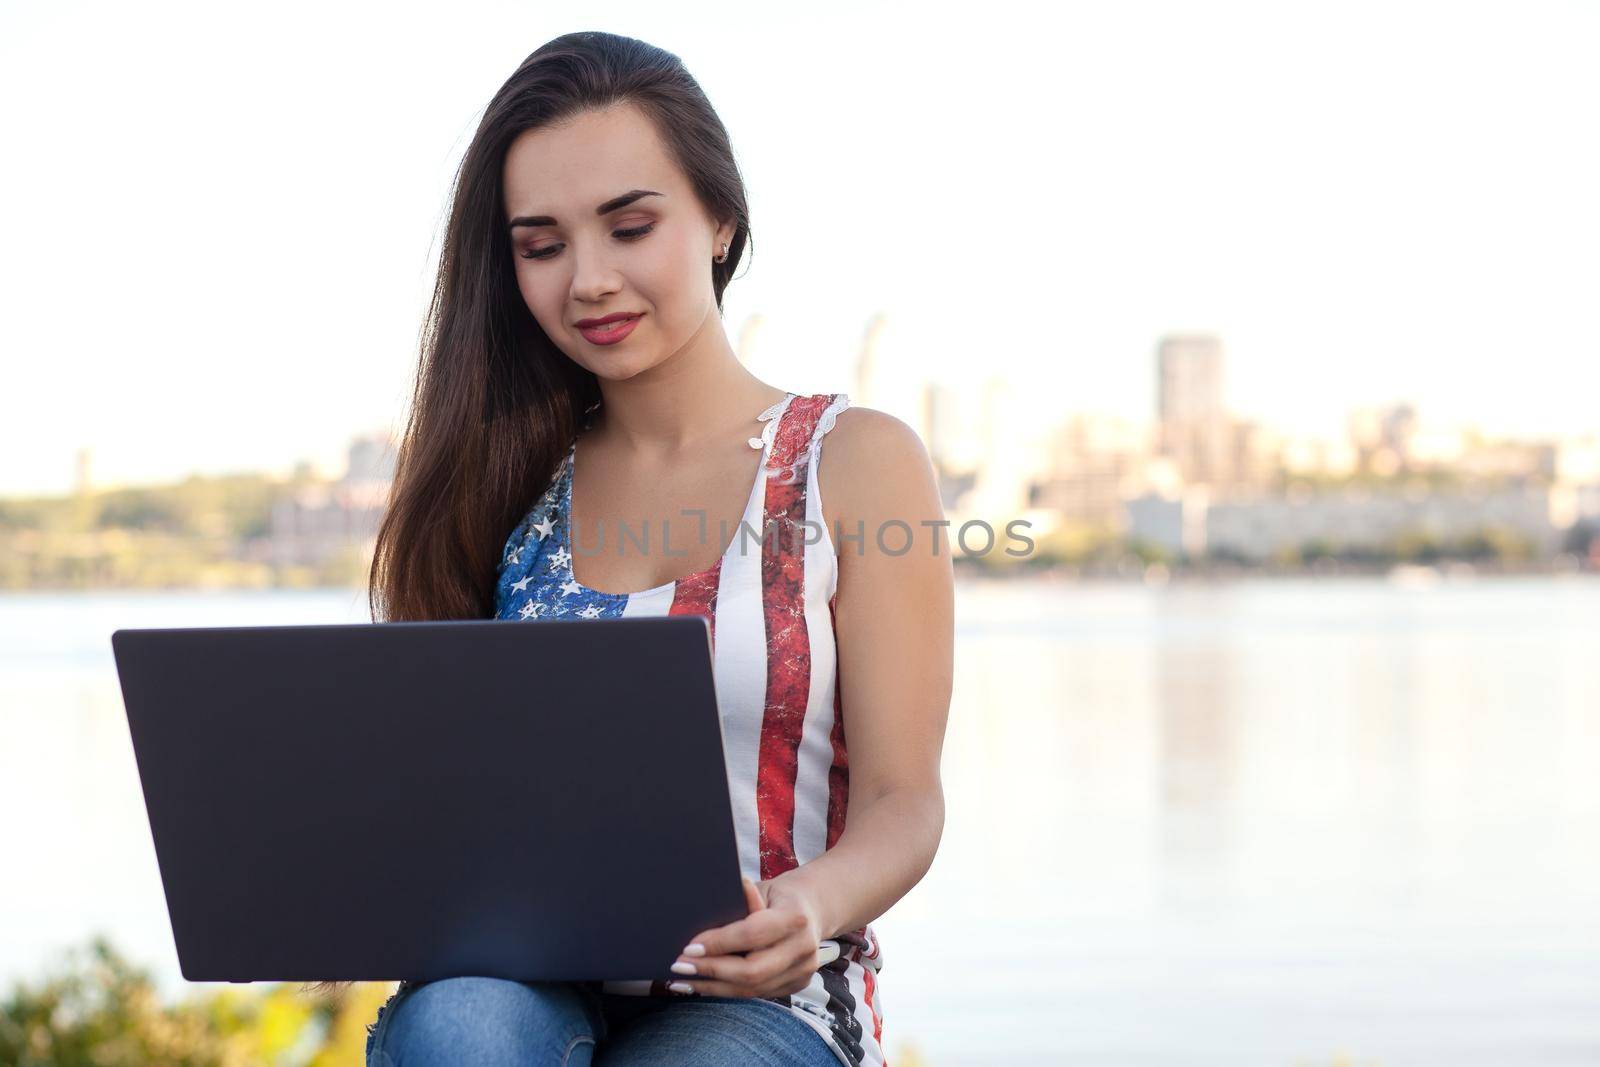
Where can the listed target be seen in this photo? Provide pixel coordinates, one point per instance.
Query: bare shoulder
(875, 468)
(867, 442)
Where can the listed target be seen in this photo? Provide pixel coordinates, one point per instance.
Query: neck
(699, 394)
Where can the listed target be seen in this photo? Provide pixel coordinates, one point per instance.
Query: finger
(753, 902)
(712, 987)
(706, 987)
(793, 952)
(765, 965)
(730, 969)
(765, 927)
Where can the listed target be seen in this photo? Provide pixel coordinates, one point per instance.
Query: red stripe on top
(697, 595)
(839, 770)
(795, 429)
(877, 1020)
(788, 642)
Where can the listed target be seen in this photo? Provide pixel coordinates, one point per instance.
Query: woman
(576, 327)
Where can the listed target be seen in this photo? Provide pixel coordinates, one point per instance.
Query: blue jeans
(489, 1022)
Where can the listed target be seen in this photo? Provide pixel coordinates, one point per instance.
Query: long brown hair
(495, 402)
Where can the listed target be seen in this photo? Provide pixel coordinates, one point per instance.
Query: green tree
(100, 1011)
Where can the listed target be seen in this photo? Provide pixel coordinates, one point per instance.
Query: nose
(593, 277)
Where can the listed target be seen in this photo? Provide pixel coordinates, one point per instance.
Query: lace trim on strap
(769, 417)
(772, 412)
(829, 414)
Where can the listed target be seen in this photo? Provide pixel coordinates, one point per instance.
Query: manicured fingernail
(680, 987)
(684, 968)
(696, 949)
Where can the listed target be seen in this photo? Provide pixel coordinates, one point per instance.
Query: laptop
(420, 800)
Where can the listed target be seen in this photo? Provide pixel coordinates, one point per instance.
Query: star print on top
(770, 604)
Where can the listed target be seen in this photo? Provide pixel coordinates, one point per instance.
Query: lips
(615, 316)
(608, 330)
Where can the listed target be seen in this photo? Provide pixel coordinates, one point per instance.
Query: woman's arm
(894, 617)
(895, 620)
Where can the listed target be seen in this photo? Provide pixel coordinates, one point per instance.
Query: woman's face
(585, 244)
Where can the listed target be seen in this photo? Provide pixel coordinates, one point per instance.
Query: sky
(221, 221)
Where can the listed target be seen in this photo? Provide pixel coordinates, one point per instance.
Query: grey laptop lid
(420, 800)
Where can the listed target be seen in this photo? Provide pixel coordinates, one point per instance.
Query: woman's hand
(769, 953)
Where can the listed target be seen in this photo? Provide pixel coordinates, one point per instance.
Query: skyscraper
(1194, 428)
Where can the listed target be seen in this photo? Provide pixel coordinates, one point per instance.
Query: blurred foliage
(1433, 480)
(100, 1011)
(224, 506)
(206, 532)
(1095, 548)
(1487, 544)
(907, 1054)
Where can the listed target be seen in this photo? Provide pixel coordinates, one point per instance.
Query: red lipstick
(608, 329)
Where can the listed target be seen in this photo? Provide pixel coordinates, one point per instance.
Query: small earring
(724, 257)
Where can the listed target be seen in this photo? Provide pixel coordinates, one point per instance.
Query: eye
(548, 251)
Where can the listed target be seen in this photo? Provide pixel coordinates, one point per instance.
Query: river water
(1275, 822)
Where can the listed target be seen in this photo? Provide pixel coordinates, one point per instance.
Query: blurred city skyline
(968, 430)
(1195, 485)
(222, 248)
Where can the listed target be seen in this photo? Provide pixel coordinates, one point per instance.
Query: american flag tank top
(770, 604)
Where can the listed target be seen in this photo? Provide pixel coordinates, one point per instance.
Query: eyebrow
(614, 204)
